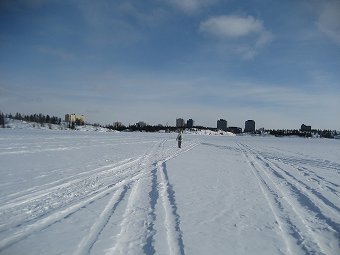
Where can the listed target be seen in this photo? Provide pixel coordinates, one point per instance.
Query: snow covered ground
(19, 124)
(71, 192)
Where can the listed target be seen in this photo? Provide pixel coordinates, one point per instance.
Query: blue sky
(277, 62)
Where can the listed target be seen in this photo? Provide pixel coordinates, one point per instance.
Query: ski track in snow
(137, 226)
(302, 201)
(38, 191)
(24, 214)
(304, 215)
(86, 244)
(172, 219)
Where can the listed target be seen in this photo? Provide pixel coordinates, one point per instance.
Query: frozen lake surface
(65, 192)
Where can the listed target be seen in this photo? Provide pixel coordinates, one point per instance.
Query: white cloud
(191, 6)
(329, 21)
(231, 28)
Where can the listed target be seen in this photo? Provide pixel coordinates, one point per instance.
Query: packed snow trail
(276, 207)
(140, 194)
(313, 214)
(87, 242)
(47, 206)
(172, 222)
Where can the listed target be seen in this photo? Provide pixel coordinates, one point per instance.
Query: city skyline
(222, 124)
(275, 61)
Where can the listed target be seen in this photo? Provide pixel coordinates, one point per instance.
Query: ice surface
(72, 192)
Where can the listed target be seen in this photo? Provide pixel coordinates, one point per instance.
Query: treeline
(149, 128)
(47, 119)
(295, 132)
(146, 128)
(278, 132)
(38, 118)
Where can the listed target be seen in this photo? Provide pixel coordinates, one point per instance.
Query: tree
(17, 116)
(2, 120)
(79, 122)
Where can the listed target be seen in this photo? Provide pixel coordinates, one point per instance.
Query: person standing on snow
(179, 138)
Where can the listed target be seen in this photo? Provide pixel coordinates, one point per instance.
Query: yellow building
(75, 118)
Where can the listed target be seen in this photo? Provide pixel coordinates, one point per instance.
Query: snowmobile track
(87, 242)
(274, 204)
(139, 180)
(172, 219)
(41, 220)
(141, 206)
(303, 205)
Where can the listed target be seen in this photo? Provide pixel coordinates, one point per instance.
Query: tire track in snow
(137, 231)
(310, 192)
(88, 241)
(38, 191)
(296, 183)
(137, 227)
(275, 206)
(133, 233)
(99, 174)
(319, 179)
(299, 165)
(312, 199)
(153, 196)
(305, 160)
(167, 194)
(302, 164)
(172, 219)
(319, 232)
(64, 195)
(315, 217)
(26, 228)
(43, 223)
(167, 197)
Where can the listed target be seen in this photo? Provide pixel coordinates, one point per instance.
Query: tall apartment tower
(190, 123)
(249, 126)
(180, 123)
(222, 124)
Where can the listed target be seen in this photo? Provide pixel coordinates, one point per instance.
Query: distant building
(305, 128)
(222, 124)
(249, 126)
(75, 118)
(180, 123)
(190, 123)
(235, 130)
